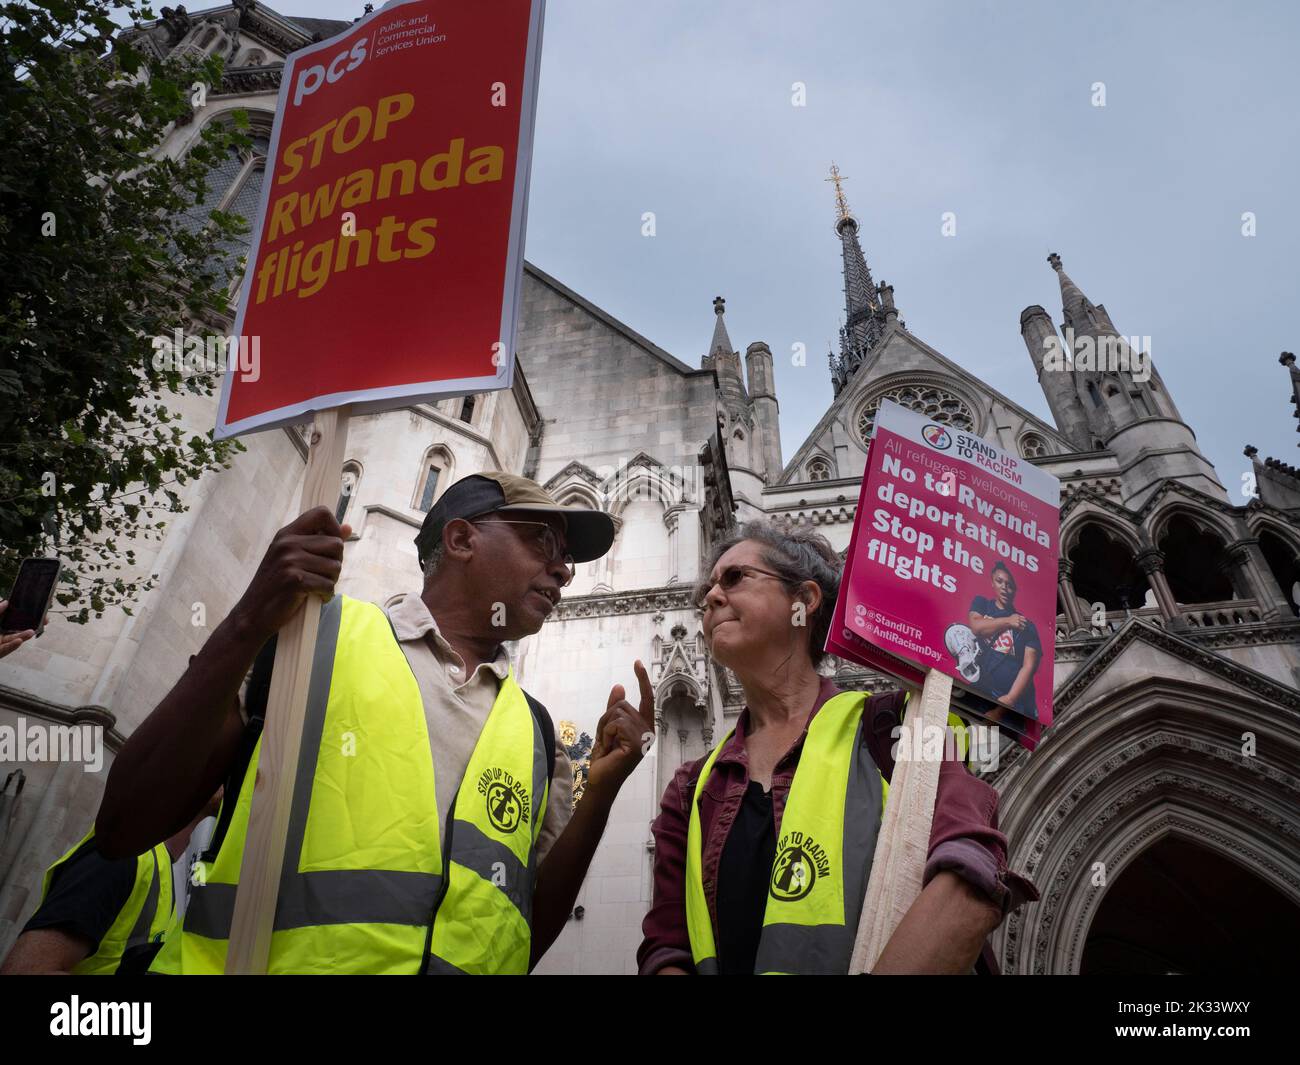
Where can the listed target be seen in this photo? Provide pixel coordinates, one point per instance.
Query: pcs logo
(937, 437)
(312, 78)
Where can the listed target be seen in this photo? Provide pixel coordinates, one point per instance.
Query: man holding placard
(396, 861)
(385, 269)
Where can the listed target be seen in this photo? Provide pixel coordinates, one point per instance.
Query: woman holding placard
(763, 848)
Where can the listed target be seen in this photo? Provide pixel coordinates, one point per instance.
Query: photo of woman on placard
(1010, 649)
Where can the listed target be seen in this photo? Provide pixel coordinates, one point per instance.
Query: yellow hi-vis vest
(823, 854)
(143, 917)
(371, 883)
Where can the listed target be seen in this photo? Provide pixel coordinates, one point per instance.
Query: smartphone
(30, 598)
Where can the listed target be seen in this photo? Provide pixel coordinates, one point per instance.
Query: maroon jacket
(963, 838)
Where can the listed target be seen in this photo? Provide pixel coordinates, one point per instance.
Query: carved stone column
(1152, 561)
(1246, 566)
(1073, 615)
(605, 564)
(672, 517)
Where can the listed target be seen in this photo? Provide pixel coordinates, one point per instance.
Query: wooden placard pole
(904, 840)
(268, 820)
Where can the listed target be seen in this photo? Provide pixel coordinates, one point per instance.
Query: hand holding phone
(11, 641)
(23, 614)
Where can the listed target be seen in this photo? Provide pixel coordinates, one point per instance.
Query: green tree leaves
(105, 243)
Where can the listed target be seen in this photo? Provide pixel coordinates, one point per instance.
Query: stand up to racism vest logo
(507, 799)
(800, 860)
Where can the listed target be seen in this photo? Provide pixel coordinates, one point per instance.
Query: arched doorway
(684, 732)
(1155, 814)
(1180, 908)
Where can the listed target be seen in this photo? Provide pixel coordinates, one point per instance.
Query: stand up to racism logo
(800, 860)
(937, 437)
(506, 798)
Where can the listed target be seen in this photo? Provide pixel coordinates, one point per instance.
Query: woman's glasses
(728, 579)
(547, 540)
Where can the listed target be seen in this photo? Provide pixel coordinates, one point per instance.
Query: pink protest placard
(953, 566)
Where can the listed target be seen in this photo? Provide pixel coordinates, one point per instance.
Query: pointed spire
(722, 357)
(841, 204)
(1287, 359)
(864, 319)
(1073, 302)
(721, 342)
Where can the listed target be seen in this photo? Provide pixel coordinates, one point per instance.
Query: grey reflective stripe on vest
(437, 966)
(814, 949)
(706, 967)
(326, 896)
(144, 921)
(540, 785)
(495, 863)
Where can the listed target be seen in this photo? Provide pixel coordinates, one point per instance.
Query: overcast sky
(982, 109)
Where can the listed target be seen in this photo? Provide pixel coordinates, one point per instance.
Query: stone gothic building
(1158, 816)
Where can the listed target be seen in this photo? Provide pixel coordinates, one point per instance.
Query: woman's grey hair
(797, 555)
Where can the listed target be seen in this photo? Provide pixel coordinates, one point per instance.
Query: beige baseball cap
(588, 533)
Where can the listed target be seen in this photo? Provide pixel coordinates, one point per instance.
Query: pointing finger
(647, 692)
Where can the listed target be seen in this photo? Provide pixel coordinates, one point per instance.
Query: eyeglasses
(727, 580)
(548, 540)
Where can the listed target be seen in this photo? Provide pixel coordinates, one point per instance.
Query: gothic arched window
(347, 489)
(235, 187)
(467, 410)
(432, 471)
(819, 470)
(1284, 562)
(1032, 446)
(933, 403)
(1106, 572)
(1193, 557)
(435, 474)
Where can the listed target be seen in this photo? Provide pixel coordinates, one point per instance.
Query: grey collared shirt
(456, 708)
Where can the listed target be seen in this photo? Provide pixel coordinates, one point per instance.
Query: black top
(1001, 658)
(743, 874)
(87, 893)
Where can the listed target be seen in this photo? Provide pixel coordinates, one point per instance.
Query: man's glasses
(547, 540)
(728, 579)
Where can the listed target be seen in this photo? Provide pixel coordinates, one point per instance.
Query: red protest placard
(388, 250)
(952, 566)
